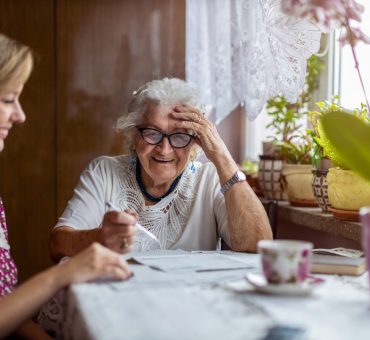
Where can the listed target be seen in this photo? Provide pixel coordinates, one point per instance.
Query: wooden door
(106, 50)
(91, 55)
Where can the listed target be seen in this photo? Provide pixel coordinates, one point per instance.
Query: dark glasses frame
(163, 135)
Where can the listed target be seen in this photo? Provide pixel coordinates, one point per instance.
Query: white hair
(167, 92)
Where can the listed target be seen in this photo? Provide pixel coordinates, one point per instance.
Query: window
(340, 77)
(350, 91)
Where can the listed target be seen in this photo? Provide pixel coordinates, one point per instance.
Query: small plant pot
(254, 184)
(296, 180)
(320, 188)
(269, 173)
(347, 192)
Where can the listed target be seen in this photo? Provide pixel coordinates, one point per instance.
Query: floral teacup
(285, 261)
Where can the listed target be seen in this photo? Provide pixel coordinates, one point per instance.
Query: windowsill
(296, 220)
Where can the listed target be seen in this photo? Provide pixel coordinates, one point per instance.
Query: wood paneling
(27, 178)
(91, 55)
(106, 50)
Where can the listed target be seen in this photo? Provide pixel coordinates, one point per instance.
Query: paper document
(345, 252)
(192, 262)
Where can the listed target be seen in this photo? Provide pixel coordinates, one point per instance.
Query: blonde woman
(18, 304)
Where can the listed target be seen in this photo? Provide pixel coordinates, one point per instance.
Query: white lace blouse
(192, 217)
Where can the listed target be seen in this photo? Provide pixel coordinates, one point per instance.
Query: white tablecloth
(214, 305)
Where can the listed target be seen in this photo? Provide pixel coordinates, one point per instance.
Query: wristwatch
(239, 176)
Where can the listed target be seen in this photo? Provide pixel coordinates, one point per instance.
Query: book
(342, 261)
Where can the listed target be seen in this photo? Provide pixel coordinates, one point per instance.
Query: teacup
(285, 261)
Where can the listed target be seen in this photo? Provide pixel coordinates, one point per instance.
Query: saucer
(259, 282)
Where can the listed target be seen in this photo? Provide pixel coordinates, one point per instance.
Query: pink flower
(328, 14)
(352, 36)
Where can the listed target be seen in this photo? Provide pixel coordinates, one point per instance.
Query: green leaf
(351, 138)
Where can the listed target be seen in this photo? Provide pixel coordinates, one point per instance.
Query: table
(217, 304)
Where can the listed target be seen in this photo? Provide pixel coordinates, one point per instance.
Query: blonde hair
(166, 91)
(16, 62)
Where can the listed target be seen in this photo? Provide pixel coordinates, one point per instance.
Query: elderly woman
(185, 204)
(17, 304)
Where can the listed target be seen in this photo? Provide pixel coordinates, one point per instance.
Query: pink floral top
(8, 270)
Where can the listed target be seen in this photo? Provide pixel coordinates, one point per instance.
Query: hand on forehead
(160, 116)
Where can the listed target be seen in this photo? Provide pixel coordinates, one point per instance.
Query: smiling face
(10, 112)
(161, 163)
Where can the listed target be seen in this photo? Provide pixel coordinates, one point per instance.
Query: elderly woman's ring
(124, 243)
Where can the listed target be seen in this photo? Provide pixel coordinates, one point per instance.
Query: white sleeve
(86, 208)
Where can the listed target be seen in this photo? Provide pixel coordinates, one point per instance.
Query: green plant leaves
(351, 138)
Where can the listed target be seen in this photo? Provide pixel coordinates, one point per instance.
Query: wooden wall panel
(91, 55)
(27, 164)
(106, 49)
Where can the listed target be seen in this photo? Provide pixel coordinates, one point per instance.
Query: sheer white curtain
(244, 51)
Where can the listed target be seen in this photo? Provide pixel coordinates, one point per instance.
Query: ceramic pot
(320, 188)
(297, 183)
(269, 173)
(347, 192)
(254, 184)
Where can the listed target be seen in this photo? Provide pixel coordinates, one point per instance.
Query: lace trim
(52, 315)
(166, 219)
(246, 51)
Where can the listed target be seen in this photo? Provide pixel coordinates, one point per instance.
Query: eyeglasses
(177, 140)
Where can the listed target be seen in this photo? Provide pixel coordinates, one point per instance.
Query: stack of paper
(338, 261)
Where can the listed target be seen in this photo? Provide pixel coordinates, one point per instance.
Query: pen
(112, 207)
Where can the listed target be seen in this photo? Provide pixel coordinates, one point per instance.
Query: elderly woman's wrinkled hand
(207, 136)
(118, 230)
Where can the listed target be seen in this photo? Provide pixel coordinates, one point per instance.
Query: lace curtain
(244, 51)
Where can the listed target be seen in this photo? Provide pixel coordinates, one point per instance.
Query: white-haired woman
(19, 303)
(185, 204)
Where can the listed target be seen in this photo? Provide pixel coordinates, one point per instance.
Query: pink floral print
(8, 270)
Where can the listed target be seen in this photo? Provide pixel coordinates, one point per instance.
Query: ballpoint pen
(112, 207)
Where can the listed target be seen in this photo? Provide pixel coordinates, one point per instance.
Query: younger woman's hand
(94, 262)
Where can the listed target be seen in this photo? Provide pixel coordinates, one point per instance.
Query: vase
(320, 183)
(296, 180)
(269, 173)
(320, 188)
(347, 193)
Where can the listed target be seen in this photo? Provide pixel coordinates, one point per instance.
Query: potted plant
(296, 176)
(348, 191)
(290, 143)
(323, 152)
(353, 144)
(287, 121)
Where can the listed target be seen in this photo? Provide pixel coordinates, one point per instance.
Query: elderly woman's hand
(207, 136)
(118, 230)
